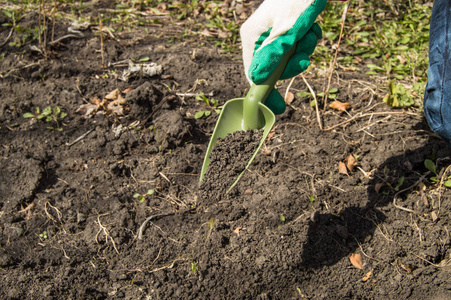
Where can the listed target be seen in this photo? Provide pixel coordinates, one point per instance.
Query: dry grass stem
(318, 117)
(105, 232)
(332, 67)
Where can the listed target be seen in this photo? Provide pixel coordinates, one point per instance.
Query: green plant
(212, 105)
(193, 267)
(396, 47)
(399, 96)
(48, 115)
(142, 197)
(431, 166)
(43, 235)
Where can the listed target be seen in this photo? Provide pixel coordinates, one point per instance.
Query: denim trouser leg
(437, 96)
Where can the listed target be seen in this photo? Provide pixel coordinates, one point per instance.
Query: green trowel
(247, 113)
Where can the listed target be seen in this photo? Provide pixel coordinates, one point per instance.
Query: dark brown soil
(70, 224)
(228, 159)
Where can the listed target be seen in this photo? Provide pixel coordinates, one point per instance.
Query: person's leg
(437, 96)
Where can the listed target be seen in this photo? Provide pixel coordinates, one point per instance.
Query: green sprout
(142, 197)
(212, 105)
(193, 267)
(43, 235)
(47, 115)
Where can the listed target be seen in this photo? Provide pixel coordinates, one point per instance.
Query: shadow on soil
(334, 236)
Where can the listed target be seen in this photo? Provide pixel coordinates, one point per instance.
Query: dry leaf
(115, 109)
(379, 185)
(270, 135)
(289, 98)
(434, 216)
(96, 101)
(351, 163)
(127, 90)
(87, 109)
(356, 261)
(118, 101)
(341, 106)
(237, 230)
(342, 168)
(367, 276)
(113, 95)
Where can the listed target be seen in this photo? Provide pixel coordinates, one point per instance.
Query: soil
(70, 224)
(228, 159)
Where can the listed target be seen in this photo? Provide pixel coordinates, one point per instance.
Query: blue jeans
(437, 96)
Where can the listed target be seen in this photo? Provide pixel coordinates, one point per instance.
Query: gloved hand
(273, 30)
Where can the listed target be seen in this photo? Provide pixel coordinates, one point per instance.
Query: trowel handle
(258, 93)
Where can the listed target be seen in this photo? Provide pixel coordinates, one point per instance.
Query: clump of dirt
(228, 160)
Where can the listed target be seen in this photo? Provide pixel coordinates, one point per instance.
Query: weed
(431, 166)
(142, 197)
(282, 218)
(43, 235)
(193, 267)
(396, 47)
(212, 105)
(399, 96)
(48, 115)
(211, 224)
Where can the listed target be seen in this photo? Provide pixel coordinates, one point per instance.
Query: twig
(80, 138)
(53, 42)
(369, 114)
(318, 117)
(326, 92)
(143, 225)
(53, 19)
(7, 38)
(101, 43)
(106, 232)
(167, 266)
(288, 88)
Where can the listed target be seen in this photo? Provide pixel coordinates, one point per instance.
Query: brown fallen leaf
(113, 95)
(341, 106)
(367, 276)
(342, 168)
(351, 163)
(127, 90)
(356, 260)
(87, 109)
(289, 98)
(118, 101)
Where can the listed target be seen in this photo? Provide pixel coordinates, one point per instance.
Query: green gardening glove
(274, 28)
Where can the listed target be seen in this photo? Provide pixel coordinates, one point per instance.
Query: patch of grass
(400, 96)
(387, 40)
